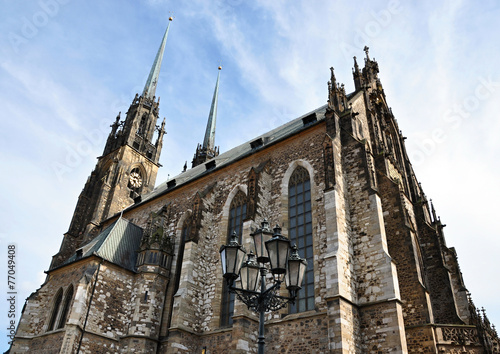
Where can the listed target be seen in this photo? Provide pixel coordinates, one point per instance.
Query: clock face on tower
(135, 179)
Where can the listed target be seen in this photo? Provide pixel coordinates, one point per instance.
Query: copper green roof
(118, 244)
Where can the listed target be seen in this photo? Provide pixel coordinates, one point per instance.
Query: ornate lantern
(249, 274)
(277, 249)
(296, 269)
(232, 256)
(260, 236)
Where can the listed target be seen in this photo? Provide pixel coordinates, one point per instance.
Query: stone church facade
(139, 269)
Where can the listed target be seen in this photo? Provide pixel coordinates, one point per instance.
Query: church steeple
(209, 141)
(150, 87)
(127, 168)
(139, 126)
(208, 150)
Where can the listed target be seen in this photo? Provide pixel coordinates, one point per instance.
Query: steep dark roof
(118, 244)
(262, 141)
(280, 133)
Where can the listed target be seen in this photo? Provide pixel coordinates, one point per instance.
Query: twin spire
(150, 87)
(208, 150)
(209, 141)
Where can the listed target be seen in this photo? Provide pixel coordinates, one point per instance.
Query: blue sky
(67, 68)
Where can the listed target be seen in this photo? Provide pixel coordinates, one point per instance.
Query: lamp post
(270, 248)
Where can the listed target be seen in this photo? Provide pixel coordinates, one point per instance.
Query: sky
(67, 68)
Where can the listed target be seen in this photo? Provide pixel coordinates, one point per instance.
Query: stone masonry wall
(403, 249)
(438, 276)
(110, 310)
(300, 335)
(197, 302)
(35, 320)
(376, 275)
(33, 328)
(147, 303)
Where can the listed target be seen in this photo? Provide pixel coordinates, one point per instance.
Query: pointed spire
(434, 217)
(208, 150)
(150, 87)
(332, 78)
(356, 67)
(336, 94)
(209, 141)
(358, 80)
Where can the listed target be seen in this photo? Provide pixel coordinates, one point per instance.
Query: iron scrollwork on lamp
(272, 254)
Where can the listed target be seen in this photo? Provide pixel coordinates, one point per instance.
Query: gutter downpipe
(88, 309)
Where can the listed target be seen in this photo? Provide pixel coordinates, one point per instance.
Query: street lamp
(270, 247)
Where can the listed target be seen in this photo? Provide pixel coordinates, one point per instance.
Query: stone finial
(366, 51)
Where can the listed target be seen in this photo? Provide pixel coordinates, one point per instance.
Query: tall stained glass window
(300, 233)
(55, 310)
(65, 310)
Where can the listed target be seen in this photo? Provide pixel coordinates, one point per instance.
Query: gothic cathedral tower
(127, 168)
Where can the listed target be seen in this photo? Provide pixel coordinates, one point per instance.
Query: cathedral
(139, 269)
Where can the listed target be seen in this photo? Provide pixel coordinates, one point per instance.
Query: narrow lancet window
(55, 310)
(300, 233)
(65, 309)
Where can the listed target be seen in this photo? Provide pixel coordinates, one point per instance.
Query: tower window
(300, 231)
(142, 126)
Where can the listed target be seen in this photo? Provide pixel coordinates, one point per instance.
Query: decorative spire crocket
(336, 94)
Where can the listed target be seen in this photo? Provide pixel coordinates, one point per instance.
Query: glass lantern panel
(223, 260)
(284, 246)
(249, 278)
(293, 273)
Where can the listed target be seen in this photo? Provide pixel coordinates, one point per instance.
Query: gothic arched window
(65, 309)
(142, 125)
(300, 233)
(237, 213)
(55, 310)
